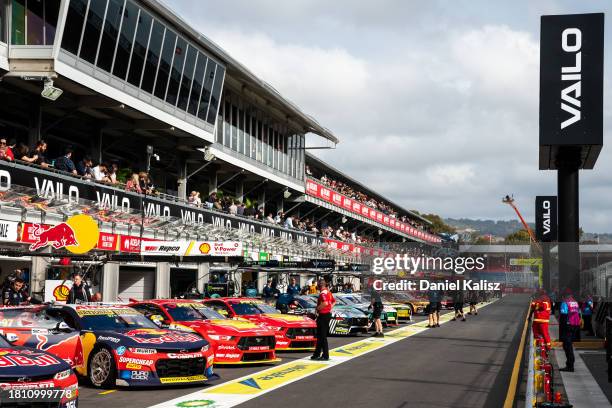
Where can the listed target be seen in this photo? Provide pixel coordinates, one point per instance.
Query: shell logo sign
(60, 293)
(204, 248)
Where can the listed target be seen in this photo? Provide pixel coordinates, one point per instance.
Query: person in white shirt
(289, 222)
(233, 209)
(270, 219)
(100, 173)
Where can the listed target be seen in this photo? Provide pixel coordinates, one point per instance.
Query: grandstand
(158, 133)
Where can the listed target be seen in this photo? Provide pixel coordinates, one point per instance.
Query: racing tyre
(102, 370)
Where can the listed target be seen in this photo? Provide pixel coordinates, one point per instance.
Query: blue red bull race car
(34, 377)
(122, 347)
(34, 327)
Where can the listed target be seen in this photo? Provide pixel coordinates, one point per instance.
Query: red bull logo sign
(79, 234)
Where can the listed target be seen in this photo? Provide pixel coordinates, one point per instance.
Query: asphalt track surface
(460, 364)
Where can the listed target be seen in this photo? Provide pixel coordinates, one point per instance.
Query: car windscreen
(27, 319)
(187, 312)
(265, 308)
(306, 302)
(114, 319)
(345, 301)
(245, 308)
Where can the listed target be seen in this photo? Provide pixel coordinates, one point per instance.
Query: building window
(74, 25)
(216, 94)
(226, 128)
(196, 89)
(139, 51)
(126, 38)
(93, 28)
(51, 15)
(208, 82)
(165, 63)
(155, 44)
(190, 65)
(177, 71)
(108, 43)
(234, 145)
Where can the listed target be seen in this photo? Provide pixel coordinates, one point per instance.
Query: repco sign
(571, 87)
(546, 218)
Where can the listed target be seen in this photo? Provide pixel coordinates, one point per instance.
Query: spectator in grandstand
(133, 184)
(85, 168)
(260, 214)
(340, 233)
(145, 183)
(194, 199)
(279, 217)
(22, 152)
(40, 149)
(16, 294)
(65, 163)
(6, 153)
(210, 201)
(112, 173)
(233, 208)
(289, 222)
(100, 173)
(80, 292)
(270, 219)
(308, 172)
(241, 208)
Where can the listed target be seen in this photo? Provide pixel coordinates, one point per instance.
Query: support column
(212, 182)
(261, 200)
(162, 280)
(38, 274)
(203, 275)
(568, 164)
(240, 190)
(95, 146)
(110, 282)
(182, 179)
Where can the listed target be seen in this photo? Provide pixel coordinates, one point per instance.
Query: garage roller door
(136, 283)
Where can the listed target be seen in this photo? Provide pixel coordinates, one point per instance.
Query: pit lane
(431, 364)
(133, 397)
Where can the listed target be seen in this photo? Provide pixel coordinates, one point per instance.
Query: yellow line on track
(511, 394)
(106, 392)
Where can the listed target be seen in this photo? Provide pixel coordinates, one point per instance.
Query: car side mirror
(11, 337)
(62, 326)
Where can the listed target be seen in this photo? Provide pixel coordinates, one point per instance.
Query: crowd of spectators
(361, 197)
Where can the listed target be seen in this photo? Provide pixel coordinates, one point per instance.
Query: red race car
(292, 332)
(235, 341)
(34, 327)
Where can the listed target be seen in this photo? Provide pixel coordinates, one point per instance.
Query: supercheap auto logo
(79, 234)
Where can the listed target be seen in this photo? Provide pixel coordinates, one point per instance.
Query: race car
(417, 302)
(234, 341)
(47, 379)
(122, 347)
(34, 327)
(346, 320)
(404, 312)
(361, 302)
(291, 332)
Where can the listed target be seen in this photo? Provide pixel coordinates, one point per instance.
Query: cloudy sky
(435, 102)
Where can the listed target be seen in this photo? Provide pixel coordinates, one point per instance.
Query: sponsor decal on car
(185, 355)
(174, 380)
(139, 375)
(120, 350)
(229, 355)
(109, 338)
(27, 385)
(168, 338)
(133, 366)
(226, 347)
(135, 361)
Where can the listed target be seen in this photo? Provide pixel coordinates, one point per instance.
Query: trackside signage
(546, 218)
(571, 86)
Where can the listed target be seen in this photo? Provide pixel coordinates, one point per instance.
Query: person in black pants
(325, 303)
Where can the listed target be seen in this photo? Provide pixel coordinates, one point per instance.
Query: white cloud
(436, 106)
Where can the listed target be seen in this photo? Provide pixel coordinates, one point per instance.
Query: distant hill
(505, 228)
(485, 227)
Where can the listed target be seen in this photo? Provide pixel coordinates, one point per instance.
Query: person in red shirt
(5, 151)
(541, 315)
(325, 303)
